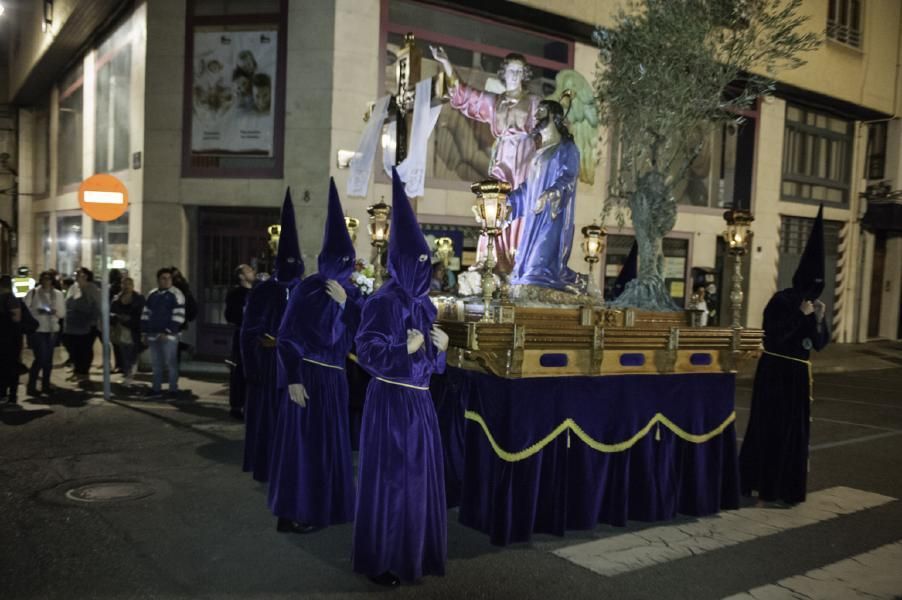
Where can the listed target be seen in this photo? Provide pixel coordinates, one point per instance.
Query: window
(844, 21)
(68, 244)
(817, 153)
(711, 178)
(794, 234)
(876, 160)
(111, 137)
(460, 149)
(43, 243)
(69, 140)
(676, 255)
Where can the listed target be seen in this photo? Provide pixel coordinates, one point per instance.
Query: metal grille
(844, 22)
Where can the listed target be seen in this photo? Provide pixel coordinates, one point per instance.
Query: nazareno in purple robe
(266, 304)
(400, 517)
(311, 477)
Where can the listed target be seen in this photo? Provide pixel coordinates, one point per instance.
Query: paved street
(199, 528)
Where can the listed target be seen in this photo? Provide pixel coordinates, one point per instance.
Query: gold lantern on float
(491, 210)
(352, 224)
(444, 248)
(737, 237)
(379, 228)
(593, 246)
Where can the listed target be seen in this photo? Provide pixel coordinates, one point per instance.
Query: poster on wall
(232, 92)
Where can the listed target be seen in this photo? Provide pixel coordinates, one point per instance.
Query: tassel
(568, 438)
(658, 433)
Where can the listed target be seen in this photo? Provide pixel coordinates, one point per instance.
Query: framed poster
(232, 92)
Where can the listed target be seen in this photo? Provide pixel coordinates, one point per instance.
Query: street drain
(110, 491)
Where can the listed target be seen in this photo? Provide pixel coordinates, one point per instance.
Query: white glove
(298, 394)
(415, 340)
(439, 338)
(336, 292)
(819, 310)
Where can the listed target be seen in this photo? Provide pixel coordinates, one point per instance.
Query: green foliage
(669, 67)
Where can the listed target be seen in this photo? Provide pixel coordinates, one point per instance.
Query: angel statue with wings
(511, 116)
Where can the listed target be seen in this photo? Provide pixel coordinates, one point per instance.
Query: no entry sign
(103, 197)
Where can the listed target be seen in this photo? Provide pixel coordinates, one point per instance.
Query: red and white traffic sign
(103, 197)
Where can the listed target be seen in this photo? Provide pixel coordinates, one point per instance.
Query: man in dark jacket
(15, 321)
(234, 315)
(161, 321)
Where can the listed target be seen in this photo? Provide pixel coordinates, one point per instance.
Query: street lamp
(737, 237)
(379, 229)
(593, 246)
(491, 210)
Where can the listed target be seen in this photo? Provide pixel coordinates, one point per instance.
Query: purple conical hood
(289, 264)
(408, 252)
(336, 259)
(808, 279)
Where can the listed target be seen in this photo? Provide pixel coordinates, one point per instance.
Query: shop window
(676, 258)
(460, 148)
(71, 127)
(40, 152)
(844, 21)
(113, 94)
(817, 154)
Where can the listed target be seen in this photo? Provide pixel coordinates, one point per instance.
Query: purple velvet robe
(312, 479)
(401, 520)
(263, 312)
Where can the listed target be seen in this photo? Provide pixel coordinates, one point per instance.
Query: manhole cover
(110, 491)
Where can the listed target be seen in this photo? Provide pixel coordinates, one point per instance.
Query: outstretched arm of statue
(441, 57)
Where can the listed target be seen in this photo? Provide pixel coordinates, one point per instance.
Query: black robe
(774, 456)
(234, 315)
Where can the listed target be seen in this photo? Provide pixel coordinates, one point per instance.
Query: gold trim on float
(570, 425)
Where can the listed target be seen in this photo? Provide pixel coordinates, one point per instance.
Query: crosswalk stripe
(656, 545)
(873, 575)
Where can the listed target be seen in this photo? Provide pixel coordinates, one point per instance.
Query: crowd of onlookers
(60, 311)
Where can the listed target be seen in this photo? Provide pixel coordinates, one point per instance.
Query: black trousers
(81, 350)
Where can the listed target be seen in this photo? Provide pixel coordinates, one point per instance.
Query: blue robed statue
(545, 200)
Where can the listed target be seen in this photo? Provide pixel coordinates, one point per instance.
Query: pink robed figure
(511, 118)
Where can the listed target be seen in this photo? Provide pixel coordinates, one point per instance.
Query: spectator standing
(82, 314)
(115, 277)
(161, 320)
(15, 320)
(234, 315)
(47, 305)
(125, 313)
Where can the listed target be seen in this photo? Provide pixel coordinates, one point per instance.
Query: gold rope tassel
(658, 433)
(568, 439)
(807, 363)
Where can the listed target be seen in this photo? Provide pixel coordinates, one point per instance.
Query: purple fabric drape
(569, 485)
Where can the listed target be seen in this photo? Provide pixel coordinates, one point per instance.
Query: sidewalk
(842, 358)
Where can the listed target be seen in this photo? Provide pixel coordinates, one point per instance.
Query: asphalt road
(203, 530)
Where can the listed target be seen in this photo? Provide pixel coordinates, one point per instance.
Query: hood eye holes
(345, 258)
(289, 260)
(423, 257)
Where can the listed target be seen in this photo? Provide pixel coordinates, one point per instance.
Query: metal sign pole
(105, 311)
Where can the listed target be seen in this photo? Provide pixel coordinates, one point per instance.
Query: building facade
(140, 90)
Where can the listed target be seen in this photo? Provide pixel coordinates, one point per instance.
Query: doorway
(226, 239)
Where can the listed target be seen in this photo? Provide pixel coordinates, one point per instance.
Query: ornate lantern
(737, 237)
(379, 229)
(491, 210)
(593, 245)
(274, 232)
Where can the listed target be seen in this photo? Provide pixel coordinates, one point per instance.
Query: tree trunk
(653, 211)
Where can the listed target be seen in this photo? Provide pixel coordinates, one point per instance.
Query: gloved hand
(298, 394)
(415, 340)
(439, 338)
(336, 292)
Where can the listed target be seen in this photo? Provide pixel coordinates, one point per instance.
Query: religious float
(559, 410)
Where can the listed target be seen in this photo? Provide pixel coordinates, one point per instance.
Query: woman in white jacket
(48, 305)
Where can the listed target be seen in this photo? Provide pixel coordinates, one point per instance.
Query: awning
(883, 216)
